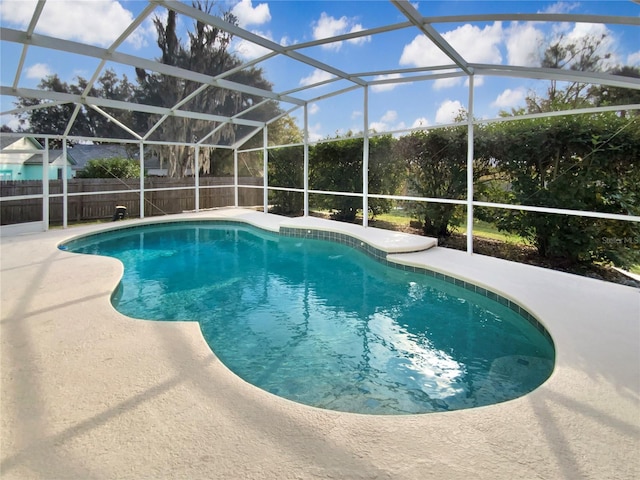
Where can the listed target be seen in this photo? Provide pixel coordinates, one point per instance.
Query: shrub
(286, 169)
(437, 166)
(579, 162)
(110, 168)
(337, 166)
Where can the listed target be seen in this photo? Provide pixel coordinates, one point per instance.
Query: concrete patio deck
(87, 393)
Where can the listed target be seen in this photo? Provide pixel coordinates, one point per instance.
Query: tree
(584, 55)
(205, 52)
(110, 168)
(50, 120)
(88, 122)
(603, 95)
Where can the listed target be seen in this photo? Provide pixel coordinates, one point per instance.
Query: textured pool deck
(90, 394)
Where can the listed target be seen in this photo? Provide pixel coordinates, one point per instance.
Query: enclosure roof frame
(422, 24)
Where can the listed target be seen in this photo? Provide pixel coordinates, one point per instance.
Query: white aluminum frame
(459, 67)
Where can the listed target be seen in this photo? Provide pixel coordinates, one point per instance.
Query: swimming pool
(325, 324)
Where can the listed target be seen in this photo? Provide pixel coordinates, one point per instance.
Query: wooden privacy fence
(102, 206)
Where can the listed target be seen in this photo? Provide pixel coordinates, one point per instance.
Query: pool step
(387, 241)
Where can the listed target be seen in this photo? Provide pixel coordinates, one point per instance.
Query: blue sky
(293, 22)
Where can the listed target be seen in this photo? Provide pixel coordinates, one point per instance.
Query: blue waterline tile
(381, 256)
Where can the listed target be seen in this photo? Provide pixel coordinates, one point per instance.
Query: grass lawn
(480, 228)
(488, 230)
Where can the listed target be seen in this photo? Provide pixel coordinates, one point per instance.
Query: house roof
(6, 141)
(36, 159)
(84, 153)
(53, 156)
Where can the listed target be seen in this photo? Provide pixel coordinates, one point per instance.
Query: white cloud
(313, 109)
(446, 83)
(356, 114)
(558, 29)
(478, 80)
(358, 40)
(316, 76)
(315, 132)
(80, 72)
(524, 42)
(247, 14)
(385, 87)
(448, 111)
(13, 122)
(249, 50)
(560, 7)
(584, 30)
(17, 13)
(387, 122)
(327, 26)
(420, 122)
(38, 71)
(422, 53)
(509, 98)
(98, 22)
(389, 116)
(146, 33)
(633, 59)
(455, 81)
(378, 127)
(473, 44)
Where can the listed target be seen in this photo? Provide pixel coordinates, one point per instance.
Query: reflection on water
(325, 325)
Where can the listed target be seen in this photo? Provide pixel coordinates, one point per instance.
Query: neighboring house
(84, 153)
(18, 163)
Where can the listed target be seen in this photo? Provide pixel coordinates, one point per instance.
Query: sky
(391, 107)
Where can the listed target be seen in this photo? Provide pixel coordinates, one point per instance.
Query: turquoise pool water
(324, 324)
